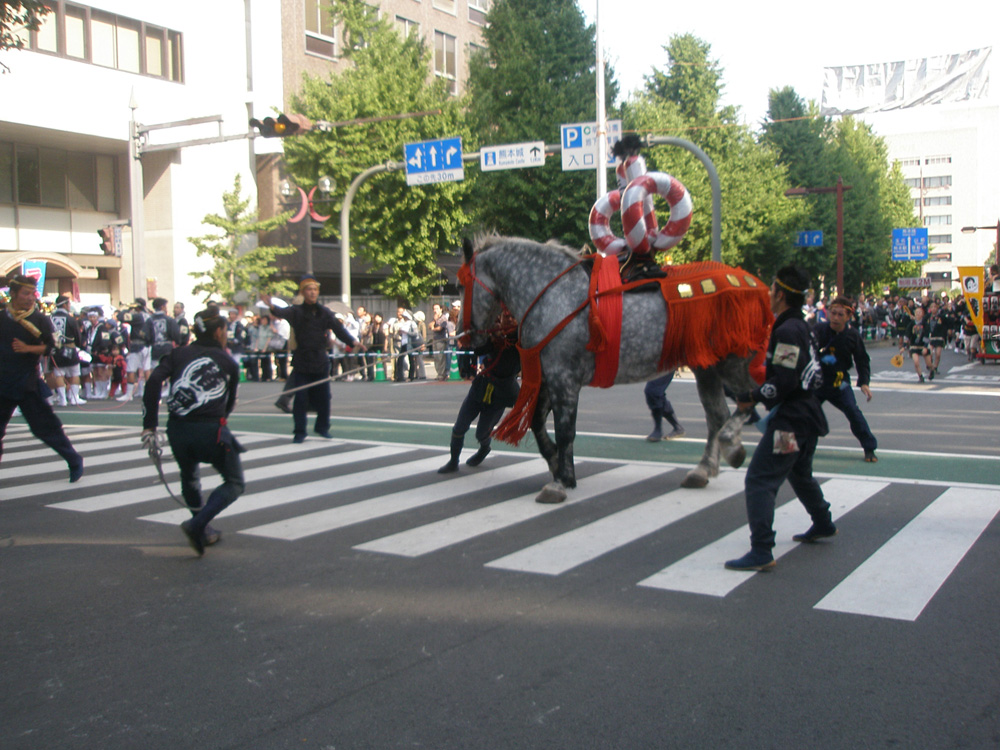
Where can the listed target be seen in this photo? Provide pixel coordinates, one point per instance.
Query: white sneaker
(123, 398)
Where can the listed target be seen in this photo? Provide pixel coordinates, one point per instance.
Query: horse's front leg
(546, 447)
(713, 399)
(564, 477)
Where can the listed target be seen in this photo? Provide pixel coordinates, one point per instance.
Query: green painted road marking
(899, 466)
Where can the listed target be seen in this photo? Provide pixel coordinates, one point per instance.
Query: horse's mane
(485, 242)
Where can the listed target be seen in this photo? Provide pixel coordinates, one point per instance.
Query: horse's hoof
(736, 456)
(695, 479)
(551, 493)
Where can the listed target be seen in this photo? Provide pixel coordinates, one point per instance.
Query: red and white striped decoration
(640, 233)
(600, 224)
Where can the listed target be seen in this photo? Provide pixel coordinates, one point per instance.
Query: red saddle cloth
(713, 310)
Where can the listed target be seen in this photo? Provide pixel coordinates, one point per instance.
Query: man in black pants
(203, 381)
(25, 337)
(310, 362)
(492, 390)
(794, 425)
(840, 345)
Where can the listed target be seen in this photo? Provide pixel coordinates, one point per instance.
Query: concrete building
(97, 74)
(941, 122)
(310, 44)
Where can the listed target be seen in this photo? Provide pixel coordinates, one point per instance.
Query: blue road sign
(909, 243)
(813, 238)
(434, 161)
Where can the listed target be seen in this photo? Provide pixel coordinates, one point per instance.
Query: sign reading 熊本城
(512, 156)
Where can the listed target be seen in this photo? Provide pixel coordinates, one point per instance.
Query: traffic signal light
(282, 126)
(107, 240)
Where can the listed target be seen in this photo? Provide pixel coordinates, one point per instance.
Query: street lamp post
(970, 230)
(325, 187)
(840, 188)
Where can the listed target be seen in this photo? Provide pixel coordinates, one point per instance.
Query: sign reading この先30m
(428, 162)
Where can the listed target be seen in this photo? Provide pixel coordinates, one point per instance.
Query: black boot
(456, 450)
(657, 434)
(678, 430)
(477, 458)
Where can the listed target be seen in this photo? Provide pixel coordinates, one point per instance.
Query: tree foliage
(393, 225)
(818, 152)
(683, 102)
(536, 73)
(240, 271)
(17, 16)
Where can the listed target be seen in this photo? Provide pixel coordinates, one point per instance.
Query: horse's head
(481, 307)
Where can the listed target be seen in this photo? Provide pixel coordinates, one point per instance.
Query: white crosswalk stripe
(397, 502)
(622, 503)
(461, 528)
(287, 468)
(702, 573)
(916, 562)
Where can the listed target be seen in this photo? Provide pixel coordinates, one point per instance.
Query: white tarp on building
(880, 87)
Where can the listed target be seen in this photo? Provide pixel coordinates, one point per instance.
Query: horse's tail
(516, 424)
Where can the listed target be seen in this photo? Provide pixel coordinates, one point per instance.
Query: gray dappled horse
(516, 273)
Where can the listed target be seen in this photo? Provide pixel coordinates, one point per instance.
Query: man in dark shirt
(311, 323)
(66, 355)
(494, 389)
(793, 426)
(162, 331)
(25, 337)
(839, 345)
(203, 381)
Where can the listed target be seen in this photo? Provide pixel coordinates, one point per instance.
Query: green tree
(800, 135)
(18, 16)
(878, 202)
(239, 270)
(536, 73)
(683, 101)
(392, 225)
(693, 81)
(816, 153)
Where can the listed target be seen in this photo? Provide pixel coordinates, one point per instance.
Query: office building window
(80, 33)
(445, 59)
(448, 6)
(940, 181)
(912, 182)
(911, 162)
(320, 32)
(54, 178)
(407, 27)
(938, 200)
(478, 10)
(939, 239)
(937, 160)
(936, 220)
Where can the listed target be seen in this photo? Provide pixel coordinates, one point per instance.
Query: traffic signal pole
(137, 148)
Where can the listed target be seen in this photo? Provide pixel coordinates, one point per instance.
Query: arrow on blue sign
(813, 238)
(909, 243)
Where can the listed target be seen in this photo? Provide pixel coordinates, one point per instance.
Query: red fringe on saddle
(713, 310)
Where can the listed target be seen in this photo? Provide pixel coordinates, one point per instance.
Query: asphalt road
(361, 600)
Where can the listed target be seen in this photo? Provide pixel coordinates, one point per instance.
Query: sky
(777, 43)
